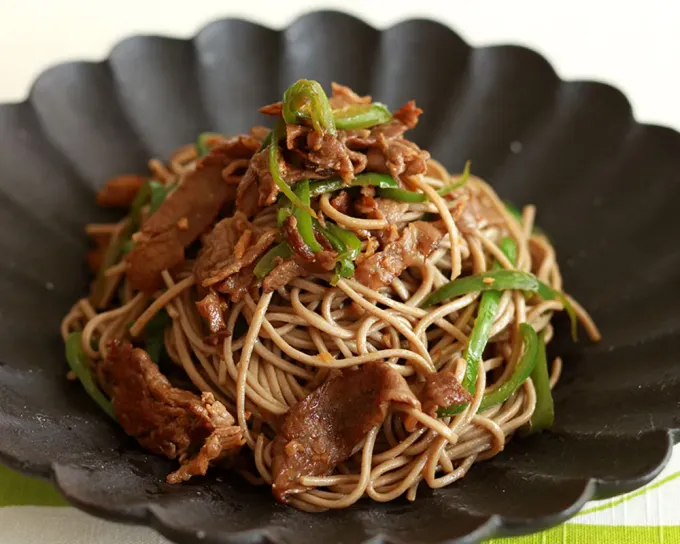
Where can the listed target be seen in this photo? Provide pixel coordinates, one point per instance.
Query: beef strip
(210, 307)
(325, 259)
(223, 443)
(119, 192)
(342, 202)
(220, 256)
(323, 429)
(166, 420)
(237, 285)
(283, 274)
(161, 242)
(441, 390)
(344, 96)
(417, 241)
(328, 153)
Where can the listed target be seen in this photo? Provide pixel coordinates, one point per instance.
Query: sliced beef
(343, 96)
(442, 390)
(243, 146)
(224, 253)
(161, 242)
(325, 259)
(237, 285)
(408, 114)
(164, 419)
(403, 157)
(119, 192)
(342, 202)
(274, 109)
(223, 443)
(283, 274)
(323, 429)
(417, 241)
(328, 153)
(210, 308)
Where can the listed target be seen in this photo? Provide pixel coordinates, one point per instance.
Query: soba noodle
(306, 332)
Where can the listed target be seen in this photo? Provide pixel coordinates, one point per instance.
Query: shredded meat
(236, 286)
(119, 192)
(164, 419)
(344, 96)
(210, 307)
(283, 274)
(403, 157)
(223, 253)
(274, 109)
(325, 258)
(161, 242)
(342, 202)
(323, 429)
(408, 114)
(328, 153)
(224, 442)
(442, 390)
(417, 241)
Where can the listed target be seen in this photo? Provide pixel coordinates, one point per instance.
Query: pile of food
(320, 307)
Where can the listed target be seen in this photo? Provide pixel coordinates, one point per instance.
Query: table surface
(633, 46)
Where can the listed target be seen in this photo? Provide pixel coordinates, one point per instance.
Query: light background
(634, 45)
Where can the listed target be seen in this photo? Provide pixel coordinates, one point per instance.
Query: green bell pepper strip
(368, 179)
(358, 116)
(78, 363)
(274, 158)
(348, 246)
(402, 195)
(304, 220)
(479, 336)
(202, 148)
(306, 99)
(502, 280)
(522, 371)
(443, 191)
(544, 412)
(154, 335)
(269, 260)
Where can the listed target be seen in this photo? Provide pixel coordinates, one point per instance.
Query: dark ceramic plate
(607, 191)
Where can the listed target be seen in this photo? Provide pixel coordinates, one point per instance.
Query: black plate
(607, 190)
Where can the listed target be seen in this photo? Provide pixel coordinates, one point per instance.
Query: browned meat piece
(408, 114)
(403, 157)
(323, 429)
(329, 153)
(274, 109)
(390, 209)
(119, 192)
(236, 286)
(164, 419)
(344, 96)
(210, 307)
(238, 147)
(290, 231)
(259, 132)
(326, 259)
(247, 193)
(293, 132)
(223, 252)
(342, 202)
(224, 442)
(283, 274)
(417, 241)
(161, 242)
(442, 390)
